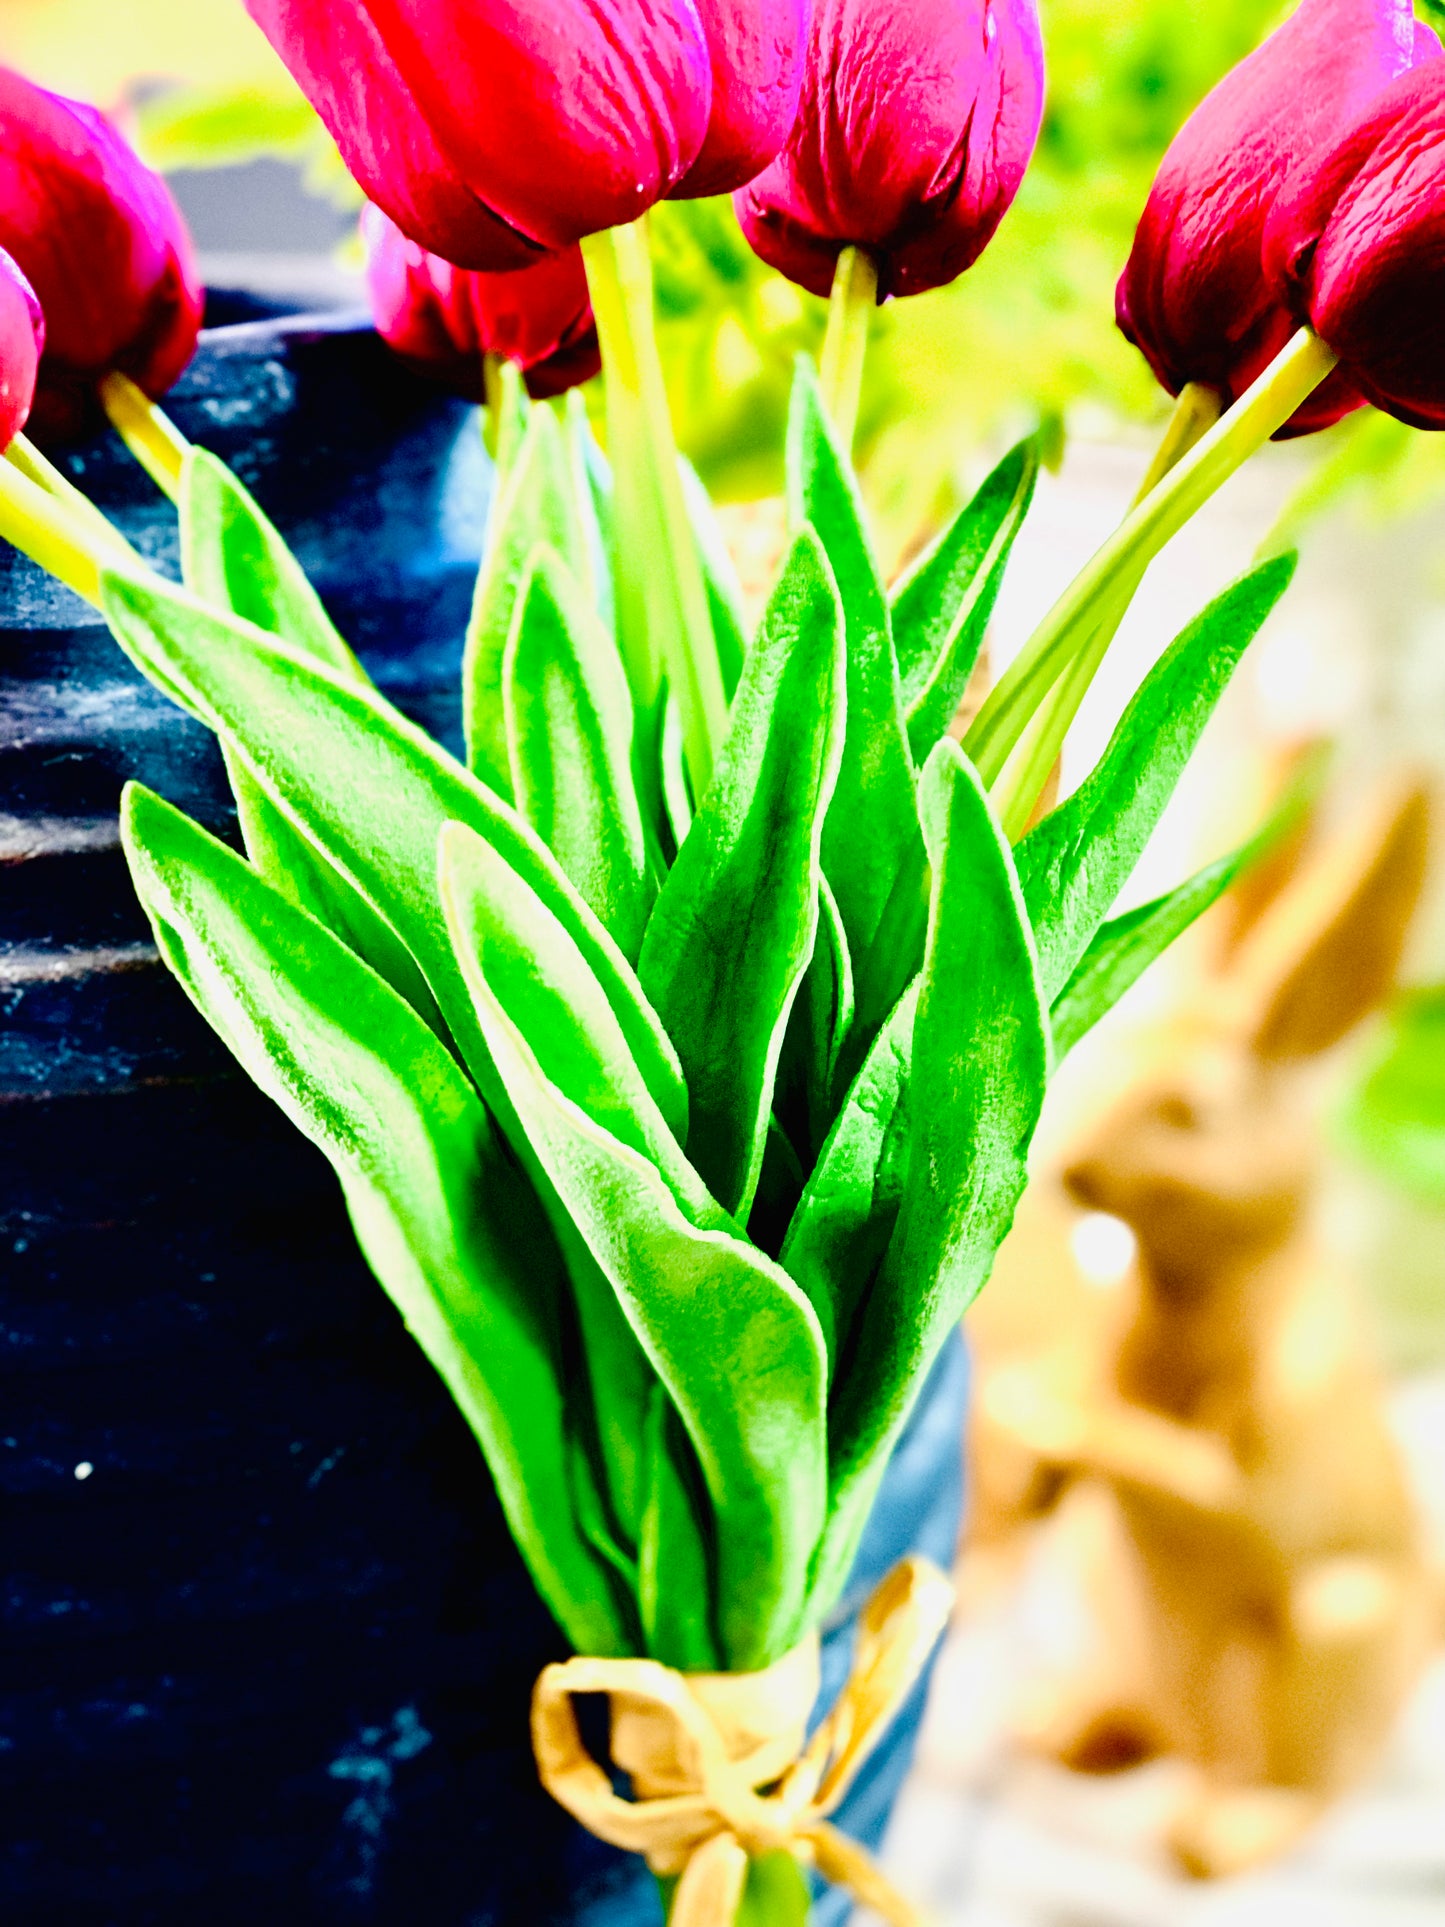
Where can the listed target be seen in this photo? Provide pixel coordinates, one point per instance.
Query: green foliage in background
(1396, 1114)
(199, 128)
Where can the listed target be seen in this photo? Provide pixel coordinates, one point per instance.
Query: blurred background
(1017, 1820)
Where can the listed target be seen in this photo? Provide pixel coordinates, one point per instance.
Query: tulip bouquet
(679, 1053)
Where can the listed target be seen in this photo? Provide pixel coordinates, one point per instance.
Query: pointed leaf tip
(1074, 863)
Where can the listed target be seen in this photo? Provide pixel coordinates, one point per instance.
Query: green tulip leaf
(818, 1030)
(780, 1185)
(433, 1196)
(975, 1089)
(592, 492)
(676, 783)
(733, 930)
(294, 865)
(675, 1580)
(597, 509)
(512, 949)
(1125, 946)
(872, 845)
(372, 791)
(835, 1002)
(847, 1212)
(605, 1525)
(941, 608)
(1073, 864)
(536, 504)
(501, 931)
(569, 742)
(233, 558)
(732, 1339)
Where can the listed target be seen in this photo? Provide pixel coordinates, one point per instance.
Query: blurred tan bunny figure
(1234, 1516)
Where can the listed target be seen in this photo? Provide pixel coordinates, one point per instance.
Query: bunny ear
(1327, 949)
(1292, 789)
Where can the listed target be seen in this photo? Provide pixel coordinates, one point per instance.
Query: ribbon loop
(718, 1762)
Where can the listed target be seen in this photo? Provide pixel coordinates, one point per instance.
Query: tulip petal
(445, 320)
(916, 122)
(757, 50)
(1192, 297)
(22, 336)
(102, 243)
(348, 73)
(1356, 244)
(487, 128)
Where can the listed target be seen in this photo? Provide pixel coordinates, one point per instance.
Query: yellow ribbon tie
(721, 1767)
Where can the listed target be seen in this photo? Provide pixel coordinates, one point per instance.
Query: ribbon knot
(721, 1766)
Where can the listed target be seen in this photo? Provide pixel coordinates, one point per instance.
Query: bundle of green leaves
(681, 1128)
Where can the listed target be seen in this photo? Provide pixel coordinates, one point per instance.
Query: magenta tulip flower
(22, 338)
(1193, 296)
(102, 243)
(917, 120)
(757, 50)
(1355, 246)
(444, 320)
(493, 130)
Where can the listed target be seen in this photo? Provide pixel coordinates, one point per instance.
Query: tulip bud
(22, 337)
(100, 239)
(917, 120)
(493, 130)
(1193, 296)
(1355, 246)
(757, 49)
(444, 320)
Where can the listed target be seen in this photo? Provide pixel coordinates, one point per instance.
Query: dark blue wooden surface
(265, 1645)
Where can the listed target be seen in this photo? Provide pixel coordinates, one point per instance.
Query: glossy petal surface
(490, 128)
(1192, 296)
(757, 50)
(22, 336)
(1357, 246)
(102, 243)
(445, 319)
(917, 120)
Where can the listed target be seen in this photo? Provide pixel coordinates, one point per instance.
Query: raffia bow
(701, 1747)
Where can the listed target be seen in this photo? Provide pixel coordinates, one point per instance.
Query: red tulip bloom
(445, 319)
(22, 337)
(757, 50)
(917, 120)
(1355, 245)
(1193, 296)
(493, 130)
(103, 244)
